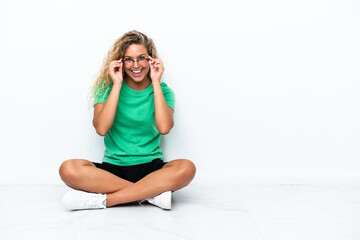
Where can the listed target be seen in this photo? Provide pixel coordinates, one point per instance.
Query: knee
(68, 171)
(187, 170)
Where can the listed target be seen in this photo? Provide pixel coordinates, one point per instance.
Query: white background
(265, 89)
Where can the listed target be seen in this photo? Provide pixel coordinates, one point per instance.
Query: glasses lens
(143, 61)
(128, 62)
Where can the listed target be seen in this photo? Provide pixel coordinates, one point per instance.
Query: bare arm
(164, 118)
(104, 113)
(164, 115)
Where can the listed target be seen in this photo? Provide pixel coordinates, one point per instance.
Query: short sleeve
(169, 95)
(101, 95)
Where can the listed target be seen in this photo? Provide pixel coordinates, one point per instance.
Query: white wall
(264, 88)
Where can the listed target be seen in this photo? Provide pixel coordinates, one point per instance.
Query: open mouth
(136, 72)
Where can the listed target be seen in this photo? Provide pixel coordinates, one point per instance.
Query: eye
(141, 58)
(128, 59)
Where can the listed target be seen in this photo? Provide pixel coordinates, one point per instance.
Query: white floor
(199, 212)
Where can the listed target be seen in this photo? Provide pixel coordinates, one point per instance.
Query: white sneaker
(162, 201)
(76, 200)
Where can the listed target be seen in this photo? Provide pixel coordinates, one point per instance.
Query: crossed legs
(82, 175)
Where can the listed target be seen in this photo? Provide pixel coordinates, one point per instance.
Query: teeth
(136, 71)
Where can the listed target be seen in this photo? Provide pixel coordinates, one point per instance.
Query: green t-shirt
(134, 138)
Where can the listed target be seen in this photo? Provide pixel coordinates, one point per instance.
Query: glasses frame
(131, 61)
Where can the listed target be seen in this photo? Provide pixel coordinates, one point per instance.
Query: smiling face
(136, 70)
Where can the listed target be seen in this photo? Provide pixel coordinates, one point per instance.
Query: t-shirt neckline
(134, 92)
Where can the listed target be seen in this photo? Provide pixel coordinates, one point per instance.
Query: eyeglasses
(141, 60)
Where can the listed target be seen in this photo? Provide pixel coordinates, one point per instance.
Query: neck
(137, 86)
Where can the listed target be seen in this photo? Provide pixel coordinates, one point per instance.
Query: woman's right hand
(116, 72)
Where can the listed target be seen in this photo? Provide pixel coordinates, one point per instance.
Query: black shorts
(132, 173)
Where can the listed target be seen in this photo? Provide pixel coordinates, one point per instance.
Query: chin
(138, 80)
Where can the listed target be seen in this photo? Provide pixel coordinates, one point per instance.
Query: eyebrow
(137, 56)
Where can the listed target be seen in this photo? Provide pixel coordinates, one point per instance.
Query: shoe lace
(92, 201)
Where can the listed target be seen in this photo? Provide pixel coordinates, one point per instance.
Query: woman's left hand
(156, 69)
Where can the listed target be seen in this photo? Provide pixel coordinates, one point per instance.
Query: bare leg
(173, 176)
(83, 175)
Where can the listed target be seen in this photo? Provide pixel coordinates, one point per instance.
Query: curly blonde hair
(103, 81)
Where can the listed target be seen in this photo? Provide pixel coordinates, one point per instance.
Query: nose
(136, 64)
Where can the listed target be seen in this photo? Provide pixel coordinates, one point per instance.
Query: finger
(158, 62)
(115, 63)
(152, 64)
(155, 61)
(118, 67)
(112, 64)
(158, 65)
(115, 66)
